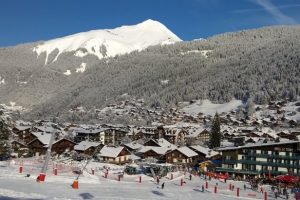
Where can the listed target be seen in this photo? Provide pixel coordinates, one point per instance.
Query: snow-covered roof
(133, 145)
(201, 149)
(43, 137)
(111, 152)
(90, 130)
(22, 128)
(165, 143)
(158, 150)
(260, 143)
(84, 145)
(187, 151)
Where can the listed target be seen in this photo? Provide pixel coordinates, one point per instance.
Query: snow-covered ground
(14, 185)
(209, 108)
(110, 42)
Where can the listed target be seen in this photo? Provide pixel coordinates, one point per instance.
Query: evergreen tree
(215, 135)
(4, 136)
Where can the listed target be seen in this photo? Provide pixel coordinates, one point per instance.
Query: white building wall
(282, 153)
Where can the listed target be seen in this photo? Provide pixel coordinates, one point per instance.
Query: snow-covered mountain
(109, 42)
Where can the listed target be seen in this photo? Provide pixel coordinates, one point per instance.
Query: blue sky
(33, 20)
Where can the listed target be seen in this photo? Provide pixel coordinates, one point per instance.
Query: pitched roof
(43, 137)
(187, 152)
(111, 152)
(158, 150)
(84, 145)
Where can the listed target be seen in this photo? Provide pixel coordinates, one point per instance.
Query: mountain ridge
(109, 42)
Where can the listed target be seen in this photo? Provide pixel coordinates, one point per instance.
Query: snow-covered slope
(110, 42)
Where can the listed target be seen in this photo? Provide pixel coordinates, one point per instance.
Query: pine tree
(215, 136)
(5, 133)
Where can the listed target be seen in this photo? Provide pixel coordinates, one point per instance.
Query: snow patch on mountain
(202, 52)
(209, 108)
(81, 68)
(110, 42)
(2, 81)
(67, 73)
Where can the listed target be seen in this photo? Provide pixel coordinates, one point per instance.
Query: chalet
(19, 147)
(197, 135)
(182, 155)
(62, 145)
(23, 133)
(88, 148)
(40, 144)
(150, 152)
(175, 135)
(114, 155)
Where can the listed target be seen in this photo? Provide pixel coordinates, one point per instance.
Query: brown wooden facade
(176, 157)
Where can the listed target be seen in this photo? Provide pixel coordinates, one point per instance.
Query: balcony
(259, 155)
(250, 172)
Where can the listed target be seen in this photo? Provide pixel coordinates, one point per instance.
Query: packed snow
(15, 185)
(209, 108)
(110, 42)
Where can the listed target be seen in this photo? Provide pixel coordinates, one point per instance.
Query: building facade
(275, 158)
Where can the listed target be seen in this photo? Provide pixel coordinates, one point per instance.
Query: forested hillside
(263, 64)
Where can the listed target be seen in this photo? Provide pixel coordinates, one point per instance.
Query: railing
(266, 163)
(251, 172)
(290, 157)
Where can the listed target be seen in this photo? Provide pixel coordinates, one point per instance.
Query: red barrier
(215, 190)
(105, 175)
(266, 196)
(55, 171)
(181, 182)
(206, 184)
(237, 192)
(230, 186)
(42, 177)
(21, 169)
(297, 196)
(75, 184)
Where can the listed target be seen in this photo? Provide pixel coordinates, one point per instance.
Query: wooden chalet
(114, 155)
(182, 155)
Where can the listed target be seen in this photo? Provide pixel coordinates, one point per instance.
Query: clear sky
(33, 20)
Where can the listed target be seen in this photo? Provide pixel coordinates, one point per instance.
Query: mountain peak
(110, 42)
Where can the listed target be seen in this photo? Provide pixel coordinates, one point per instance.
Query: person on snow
(38, 179)
(245, 187)
(190, 177)
(157, 180)
(162, 186)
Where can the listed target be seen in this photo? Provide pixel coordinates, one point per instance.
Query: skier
(162, 186)
(190, 177)
(245, 187)
(157, 180)
(202, 188)
(38, 179)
